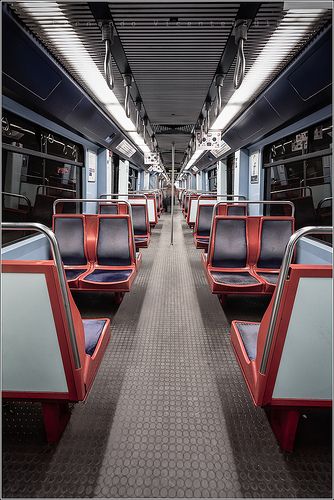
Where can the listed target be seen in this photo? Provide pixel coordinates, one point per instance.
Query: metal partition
(213, 195)
(283, 276)
(19, 196)
(44, 188)
(299, 188)
(239, 196)
(147, 192)
(129, 195)
(34, 226)
(323, 201)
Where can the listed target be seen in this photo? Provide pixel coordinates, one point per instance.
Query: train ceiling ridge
(174, 52)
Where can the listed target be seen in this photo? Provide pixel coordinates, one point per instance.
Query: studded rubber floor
(169, 414)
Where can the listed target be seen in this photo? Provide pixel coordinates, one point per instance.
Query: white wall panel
(305, 369)
(31, 359)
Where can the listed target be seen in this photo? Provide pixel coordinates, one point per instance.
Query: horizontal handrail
(35, 226)
(316, 178)
(239, 196)
(35, 177)
(259, 202)
(20, 196)
(298, 188)
(283, 275)
(81, 200)
(54, 188)
(125, 194)
(324, 200)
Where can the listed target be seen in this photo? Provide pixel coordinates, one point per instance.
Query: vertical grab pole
(172, 197)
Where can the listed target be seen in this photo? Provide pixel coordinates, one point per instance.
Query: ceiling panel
(173, 50)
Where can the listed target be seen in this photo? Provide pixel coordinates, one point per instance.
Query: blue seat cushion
(71, 274)
(93, 329)
(234, 278)
(271, 278)
(249, 333)
(108, 275)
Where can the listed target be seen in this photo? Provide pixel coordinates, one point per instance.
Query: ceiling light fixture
(193, 159)
(79, 59)
(285, 39)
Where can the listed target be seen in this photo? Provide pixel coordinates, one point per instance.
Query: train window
(133, 179)
(298, 168)
(212, 175)
(38, 167)
(230, 174)
(19, 132)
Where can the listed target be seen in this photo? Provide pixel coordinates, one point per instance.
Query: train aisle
(169, 414)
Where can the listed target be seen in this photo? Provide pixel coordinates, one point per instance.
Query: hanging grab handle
(107, 38)
(219, 85)
(240, 29)
(138, 109)
(127, 78)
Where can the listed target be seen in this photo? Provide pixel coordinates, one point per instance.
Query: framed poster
(208, 142)
(254, 167)
(92, 164)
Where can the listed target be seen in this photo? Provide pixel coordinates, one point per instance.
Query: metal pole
(172, 197)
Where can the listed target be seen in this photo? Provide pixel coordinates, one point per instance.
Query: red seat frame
(284, 412)
(79, 380)
(254, 226)
(73, 283)
(120, 286)
(252, 244)
(91, 223)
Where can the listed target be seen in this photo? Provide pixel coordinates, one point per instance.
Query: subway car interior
(166, 255)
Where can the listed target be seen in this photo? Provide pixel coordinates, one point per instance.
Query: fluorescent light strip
(282, 42)
(82, 64)
(193, 159)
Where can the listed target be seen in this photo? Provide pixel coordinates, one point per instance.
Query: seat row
(60, 352)
(245, 253)
(98, 251)
(50, 354)
(286, 359)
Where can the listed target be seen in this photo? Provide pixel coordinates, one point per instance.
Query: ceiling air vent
(126, 149)
(172, 129)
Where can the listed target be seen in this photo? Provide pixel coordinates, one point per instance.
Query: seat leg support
(55, 416)
(119, 297)
(222, 300)
(284, 423)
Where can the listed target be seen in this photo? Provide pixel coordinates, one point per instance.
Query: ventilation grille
(172, 129)
(125, 148)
